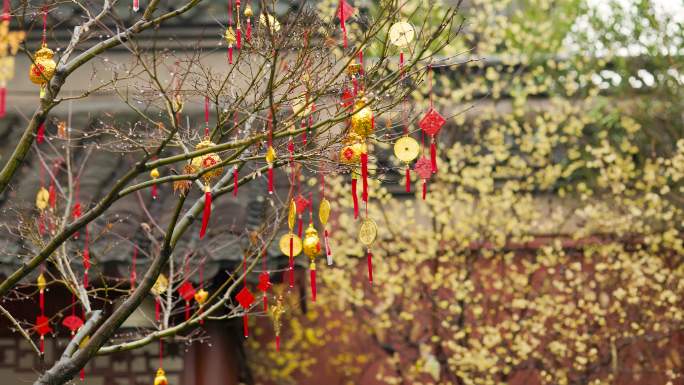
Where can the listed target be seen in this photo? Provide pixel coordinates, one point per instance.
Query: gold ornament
(292, 215)
(248, 11)
(312, 243)
(362, 120)
(201, 296)
(284, 244)
(43, 68)
(401, 34)
(270, 155)
(160, 285)
(406, 149)
(42, 199)
(276, 312)
(350, 154)
(353, 68)
(266, 20)
(160, 378)
(230, 37)
(41, 282)
(206, 161)
(154, 174)
(368, 232)
(324, 211)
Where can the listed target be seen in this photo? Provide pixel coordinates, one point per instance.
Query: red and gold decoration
(187, 292)
(406, 149)
(248, 15)
(344, 12)
(245, 298)
(423, 168)
(9, 45)
(323, 216)
(312, 247)
(401, 34)
(158, 289)
(206, 163)
(276, 314)
(41, 71)
(290, 244)
(42, 326)
(160, 378)
(368, 232)
(154, 174)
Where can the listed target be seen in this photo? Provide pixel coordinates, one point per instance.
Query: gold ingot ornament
(206, 161)
(44, 65)
(201, 296)
(312, 243)
(362, 120)
(160, 285)
(406, 149)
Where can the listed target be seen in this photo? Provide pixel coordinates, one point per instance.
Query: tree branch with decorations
(293, 97)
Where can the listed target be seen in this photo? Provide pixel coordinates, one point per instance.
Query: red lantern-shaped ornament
(245, 298)
(187, 292)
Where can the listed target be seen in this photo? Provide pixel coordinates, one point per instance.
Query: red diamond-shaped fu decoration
(432, 122)
(187, 291)
(301, 203)
(345, 10)
(264, 282)
(42, 326)
(72, 323)
(423, 168)
(245, 298)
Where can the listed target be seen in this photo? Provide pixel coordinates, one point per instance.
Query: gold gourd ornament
(43, 68)
(205, 163)
(312, 247)
(323, 216)
(363, 125)
(406, 149)
(154, 174)
(368, 232)
(160, 378)
(290, 244)
(42, 199)
(350, 154)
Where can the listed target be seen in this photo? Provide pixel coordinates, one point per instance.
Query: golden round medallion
(284, 244)
(368, 232)
(401, 34)
(406, 149)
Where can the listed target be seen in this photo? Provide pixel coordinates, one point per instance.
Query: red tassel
(249, 29)
(304, 138)
(41, 297)
(277, 343)
(235, 181)
(154, 191)
(230, 55)
(85, 278)
(291, 262)
(328, 250)
(265, 302)
(364, 176)
(53, 195)
(42, 344)
(424, 188)
(238, 36)
(312, 275)
(136, 5)
(157, 309)
(245, 325)
(433, 155)
(86, 261)
(355, 198)
(187, 310)
(401, 64)
(408, 179)
(300, 226)
(40, 135)
(370, 267)
(270, 179)
(207, 212)
(41, 224)
(3, 101)
(82, 375)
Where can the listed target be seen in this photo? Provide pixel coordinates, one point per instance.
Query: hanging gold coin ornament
(276, 312)
(406, 149)
(323, 216)
(160, 286)
(312, 247)
(290, 244)
(368, 232)
(401, 35)
(160, 378)
(205, 163)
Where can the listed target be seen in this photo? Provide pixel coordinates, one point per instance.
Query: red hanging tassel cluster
(291, 268)
(207, 211)
(369, 258)
(277, 342)
(364, 176)
(270, 179)
(433, 155)
(157, 309)
(235, 181)
(312, 276)
(424, 188)
(408, 179)
(3, 101)
(355, 198)
(40, 135)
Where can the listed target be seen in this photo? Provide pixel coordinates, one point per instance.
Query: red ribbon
(369, 257)
(364, 176)
(207, 213)
(408, 179)
(355, 198)
(312, 275)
